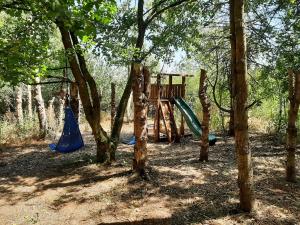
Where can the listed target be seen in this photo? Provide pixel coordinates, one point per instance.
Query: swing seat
(71, 139)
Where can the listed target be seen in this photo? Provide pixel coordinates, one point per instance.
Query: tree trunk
(240, 88)
(74, 101)
(141, 85)
(112, 104)
(87, 90)
(119, 118)
(79, 108)
(231, 121)
(60, 115)
(280, 109)
(39, 102)
(129, 109)
(19, 109)
(206, 116)
(29, 102)
(51, 114)
(233, 66)
(294, 98)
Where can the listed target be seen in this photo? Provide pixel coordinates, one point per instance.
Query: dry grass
(40, 187)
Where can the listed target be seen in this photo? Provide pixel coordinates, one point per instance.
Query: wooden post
(294, 98)
(206, 116)
(182, 117)
(170, 86)
(170, 95)
(157, 114)
(112, 104)
(141, 86)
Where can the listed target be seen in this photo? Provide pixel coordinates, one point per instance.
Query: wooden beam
(176, 74)
(168, 128)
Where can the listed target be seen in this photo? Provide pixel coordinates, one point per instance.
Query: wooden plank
(174, 130)
(176, 74)
(168, 128)
(183, 96)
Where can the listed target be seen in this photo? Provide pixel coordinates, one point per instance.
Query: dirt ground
(41, 187)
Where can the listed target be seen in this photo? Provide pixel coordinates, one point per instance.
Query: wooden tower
(161, 97)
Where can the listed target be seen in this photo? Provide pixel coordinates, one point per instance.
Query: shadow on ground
(181, 190)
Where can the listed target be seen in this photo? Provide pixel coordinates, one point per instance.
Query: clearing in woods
(40, 187)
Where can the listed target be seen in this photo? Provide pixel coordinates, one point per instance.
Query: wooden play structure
(162, 99)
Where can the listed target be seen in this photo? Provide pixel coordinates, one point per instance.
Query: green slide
(192, 120)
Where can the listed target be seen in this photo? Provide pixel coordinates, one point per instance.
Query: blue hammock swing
(71, 139)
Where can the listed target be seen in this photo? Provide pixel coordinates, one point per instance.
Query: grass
(12, 131)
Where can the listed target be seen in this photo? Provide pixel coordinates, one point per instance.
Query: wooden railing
(167, 91)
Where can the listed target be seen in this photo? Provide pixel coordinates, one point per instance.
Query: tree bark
(112, 104)
(19, 102)
(40, 106)
(294, 98)
(60, 115)
(233, 66)
(129, 109)
(29, 102)
(206, 116)
(280, 109)
(74, 101)
(141, 89)
(51, 113)
(240, 88)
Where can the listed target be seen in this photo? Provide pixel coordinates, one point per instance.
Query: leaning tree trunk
(39, 102)
(29, 102)
(294, 98)
(240, 87)
(119, 118)
(140, 87)
(206, 116)
(87, 90)
(19, 109)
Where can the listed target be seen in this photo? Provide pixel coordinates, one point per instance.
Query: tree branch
(215, 97)
(253, 103)
(59, 68)
(18, 5)
(50, 82)
(158, 12)
(155, 6)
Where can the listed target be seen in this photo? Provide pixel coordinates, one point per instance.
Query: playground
(162, 112)
(41, 187)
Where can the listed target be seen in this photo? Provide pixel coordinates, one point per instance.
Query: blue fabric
(71, 139)
(131, 141)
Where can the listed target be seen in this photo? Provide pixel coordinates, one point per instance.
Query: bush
(13, 132)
